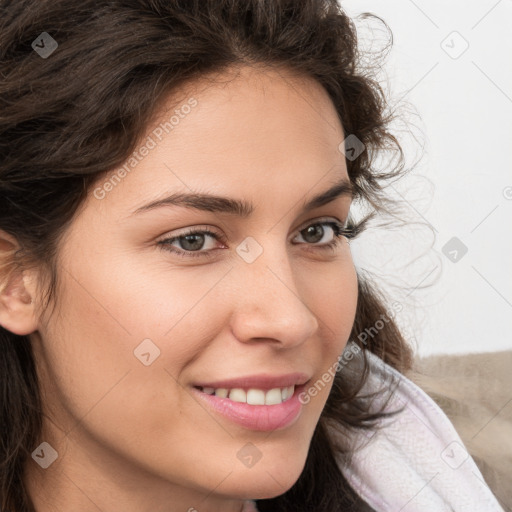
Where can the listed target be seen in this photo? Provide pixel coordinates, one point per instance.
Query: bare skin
(132, 437)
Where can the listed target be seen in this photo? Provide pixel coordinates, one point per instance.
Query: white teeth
(221, 392)
(253, 396)
(238, 395)
(273, 396)
(287, 392)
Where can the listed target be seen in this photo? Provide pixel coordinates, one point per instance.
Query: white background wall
(462, 186)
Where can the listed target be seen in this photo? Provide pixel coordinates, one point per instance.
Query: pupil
(190, 238)
(312, 229)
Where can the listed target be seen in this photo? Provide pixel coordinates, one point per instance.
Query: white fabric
(249, 506)
(417, 462)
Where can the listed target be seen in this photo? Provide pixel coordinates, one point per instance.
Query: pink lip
(263, 381)
(256, 417)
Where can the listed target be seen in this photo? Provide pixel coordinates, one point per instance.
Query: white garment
(417, 462)
(249, 506)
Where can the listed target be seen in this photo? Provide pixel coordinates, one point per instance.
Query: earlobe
(17, 313)
(17, 307)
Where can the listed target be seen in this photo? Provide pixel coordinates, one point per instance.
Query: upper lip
(261, 381)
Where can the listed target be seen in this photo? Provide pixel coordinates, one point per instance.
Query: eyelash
(350, 231)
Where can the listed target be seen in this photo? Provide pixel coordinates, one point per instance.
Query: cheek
(116, 316)
(102, 391)
(334, 294)
(346, 298)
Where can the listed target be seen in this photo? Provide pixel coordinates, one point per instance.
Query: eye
(316, 233)
(192, 242)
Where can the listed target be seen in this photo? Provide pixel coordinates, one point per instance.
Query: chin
(265, 481)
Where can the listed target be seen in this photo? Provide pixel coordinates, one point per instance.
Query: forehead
(254, 109)
(249, 131)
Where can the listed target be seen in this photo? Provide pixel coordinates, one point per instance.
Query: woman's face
(138, 327)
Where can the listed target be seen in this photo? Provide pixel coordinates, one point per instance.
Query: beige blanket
(475, 392)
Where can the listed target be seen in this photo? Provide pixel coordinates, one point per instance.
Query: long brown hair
(71, 117)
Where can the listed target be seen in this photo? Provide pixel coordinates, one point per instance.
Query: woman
(181, 320)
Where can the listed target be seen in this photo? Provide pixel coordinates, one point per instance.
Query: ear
(17, 291)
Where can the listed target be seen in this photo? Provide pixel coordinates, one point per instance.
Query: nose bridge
(268, 302)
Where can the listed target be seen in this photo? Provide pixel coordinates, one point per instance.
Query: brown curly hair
(68, 120)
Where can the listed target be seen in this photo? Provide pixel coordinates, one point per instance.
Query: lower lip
(256, 417)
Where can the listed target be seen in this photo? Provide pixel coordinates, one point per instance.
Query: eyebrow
(238, 207)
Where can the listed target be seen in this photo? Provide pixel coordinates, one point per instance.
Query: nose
(268, 304)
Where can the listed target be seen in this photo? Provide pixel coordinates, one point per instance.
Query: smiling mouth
(258, 409)
(252, 396)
